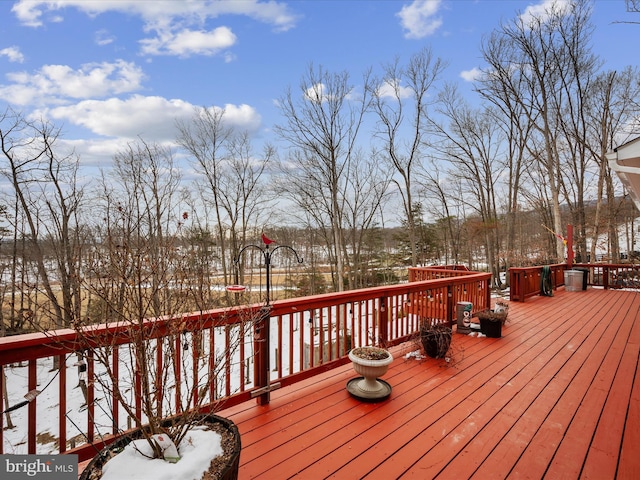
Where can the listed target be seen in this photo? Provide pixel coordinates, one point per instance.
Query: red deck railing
(525, 282)
(307, 335)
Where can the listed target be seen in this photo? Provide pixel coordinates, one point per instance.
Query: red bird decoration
(266, 240)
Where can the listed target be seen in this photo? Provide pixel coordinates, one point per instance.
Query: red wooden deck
(556, 397)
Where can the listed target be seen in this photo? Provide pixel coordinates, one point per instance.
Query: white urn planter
(371, 363)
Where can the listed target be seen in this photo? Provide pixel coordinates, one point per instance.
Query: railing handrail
(30, 346)
(381, 291)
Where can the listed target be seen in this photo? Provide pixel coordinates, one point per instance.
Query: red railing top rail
(524, 281)
(621, 266)
(535, 268)
(58, 342)
(62, 341)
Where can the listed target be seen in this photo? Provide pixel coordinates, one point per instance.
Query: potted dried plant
(435, 337)
(501, 306)
(491, 322)
(371, 363)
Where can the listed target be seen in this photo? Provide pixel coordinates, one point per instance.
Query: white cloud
(418, 18)
(177, 25)
(319, 93)
(542, 10)
(387, 89)
(471, 75)
(316, 93)
(59, 83)
(189, 42)
(121, 121)
(150, 117)
(103, 37)
(13, 53)
(241, 117)
(95, 152)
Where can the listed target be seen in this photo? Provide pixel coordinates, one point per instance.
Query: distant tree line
(397, 170)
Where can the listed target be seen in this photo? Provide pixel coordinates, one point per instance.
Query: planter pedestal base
(361, 389)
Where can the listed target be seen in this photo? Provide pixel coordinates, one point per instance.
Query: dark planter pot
(436, 343)
(491, 328)
(230, 471)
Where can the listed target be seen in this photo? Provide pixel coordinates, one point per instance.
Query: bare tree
(205, 137)
(48, 197)
(142, 201)
(533, 60)
(154, 361)
(501, 90)
(367, 182)
(231, 179)
(322, 126)
(245, 197)
(401, 100)
(445, 206)
(577, 167)
(633, 5)
(473, 144)
(613, 105)
(5, 268)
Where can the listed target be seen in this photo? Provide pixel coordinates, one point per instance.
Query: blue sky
(109, 71)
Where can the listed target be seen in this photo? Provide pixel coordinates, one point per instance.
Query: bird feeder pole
(262, 326)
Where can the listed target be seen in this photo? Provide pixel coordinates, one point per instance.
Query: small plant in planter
(491, 322)
(371, 363)
(501, 307)
(371, 353)
(435, 338)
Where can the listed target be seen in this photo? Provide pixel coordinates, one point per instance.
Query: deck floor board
(556, 397)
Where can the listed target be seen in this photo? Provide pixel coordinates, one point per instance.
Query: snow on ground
(14, 439)
(197, 450)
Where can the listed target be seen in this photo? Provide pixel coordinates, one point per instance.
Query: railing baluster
(279, 344)
(62, 404)
(177, 369)
(32, 408)
(241, 338)
(303, 327)
(137, 391)
(195, 359)
(292, 322)
(227, 359)
(159, 378)
(2, 406)
(91, 396)
(115, 381)
(212, 365)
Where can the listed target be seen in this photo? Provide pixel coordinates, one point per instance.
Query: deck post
(488, 295)
(569, 246)
(383, 322)
(450, 305)
(261, 347)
